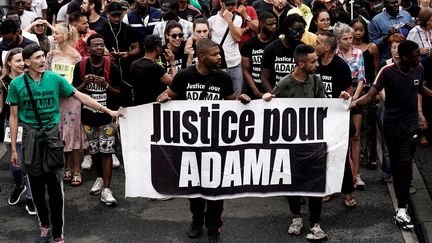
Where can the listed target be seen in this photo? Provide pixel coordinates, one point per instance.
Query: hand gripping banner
(225, 149)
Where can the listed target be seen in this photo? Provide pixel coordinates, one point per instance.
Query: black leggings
(56, 201)
(212, 214)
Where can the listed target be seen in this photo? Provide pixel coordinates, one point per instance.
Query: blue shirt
(380, 26)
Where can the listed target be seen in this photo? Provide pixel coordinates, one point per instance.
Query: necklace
(97, 71)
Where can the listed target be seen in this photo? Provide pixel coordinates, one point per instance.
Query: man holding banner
(301, 83)
(204, 81)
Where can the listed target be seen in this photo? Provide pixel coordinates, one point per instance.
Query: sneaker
(360, 183)
(402, 219)
(97, 186)
(116, 162)
(59, 240)
(107, 197)
(16, 195)
(195, 229)
(87, 162)
(30, 207)
(45, 235)
(213, 238)
(316, 234)
(296, 226)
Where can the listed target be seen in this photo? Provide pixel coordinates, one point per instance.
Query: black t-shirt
(261, 6)
(98, 25)
(254, 50)
(188, 14)
(188, 84)
(401, 93)
(146, 80)
(90, 116)
(74, 6)
(4, 89)
(5, 47)
(279, 59)
(179, 56)
(335, 76)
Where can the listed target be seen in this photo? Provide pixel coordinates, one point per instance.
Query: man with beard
(280, 11)
(80, 22)
(302, 83)
(278, 60)
(402, 82)
(120, 40)
(190, 84)
(92, 9)
(142, 20)
(383, 25)
(12, 38)
(252, 52)
(170, 10)
(26, 16)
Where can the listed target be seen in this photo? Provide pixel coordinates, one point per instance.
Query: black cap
(114, 7)
(29, 50)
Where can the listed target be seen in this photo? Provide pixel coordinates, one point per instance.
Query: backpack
(107, 67)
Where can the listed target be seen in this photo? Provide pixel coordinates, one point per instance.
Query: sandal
(350, 202)
(67, 177)
(76, 181)
(328, 198)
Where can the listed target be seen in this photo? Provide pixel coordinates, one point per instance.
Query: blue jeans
(236, 75)
(385, 163)
(18, 173)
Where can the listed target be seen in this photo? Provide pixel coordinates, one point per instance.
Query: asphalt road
(245, 220)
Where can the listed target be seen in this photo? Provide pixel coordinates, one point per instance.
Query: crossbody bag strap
(227, 31)
(33, 102)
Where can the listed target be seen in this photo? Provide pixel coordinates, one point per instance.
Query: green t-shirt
(46, 94)
(289, 87)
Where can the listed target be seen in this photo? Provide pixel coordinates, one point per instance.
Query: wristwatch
(248, 18)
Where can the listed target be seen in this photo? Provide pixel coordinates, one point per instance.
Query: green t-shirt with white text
(46, 94)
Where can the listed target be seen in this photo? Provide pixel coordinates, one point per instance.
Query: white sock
(401, 211)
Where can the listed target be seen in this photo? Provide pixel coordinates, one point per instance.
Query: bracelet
(107, 86)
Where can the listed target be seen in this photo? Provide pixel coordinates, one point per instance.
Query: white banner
(225, 149)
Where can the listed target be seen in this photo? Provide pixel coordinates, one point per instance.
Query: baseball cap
(114, 7)
(29, 50)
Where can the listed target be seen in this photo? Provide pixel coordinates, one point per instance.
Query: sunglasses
(39, 25)
(230, 4)
(174, 36)
(296, 31)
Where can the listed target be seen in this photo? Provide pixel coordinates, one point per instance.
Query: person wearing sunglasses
(278, 59)
(26, 16)
(174, 57)
(39, 28)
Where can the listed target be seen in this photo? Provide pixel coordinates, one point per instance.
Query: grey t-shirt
(289, 87)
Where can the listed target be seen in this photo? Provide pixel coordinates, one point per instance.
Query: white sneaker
(87, 162)
(97, 186)
(107, 197)
(316, 233)
(360, 182)
(402, 219)
(116, 162)
(296, 226)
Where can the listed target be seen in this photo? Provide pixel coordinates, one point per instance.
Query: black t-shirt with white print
(188, 84)
(335, 76)
(279, 59)
(179, 56)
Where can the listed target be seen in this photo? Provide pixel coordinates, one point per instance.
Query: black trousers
(348, 180)
(315, 205)
(56, 201)
(212, 214)
(401, 142)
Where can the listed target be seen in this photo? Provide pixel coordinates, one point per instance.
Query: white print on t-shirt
(328, 88)
(416, 82)
(99, 95)
(195, 95)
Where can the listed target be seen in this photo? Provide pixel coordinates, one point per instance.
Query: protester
(187, 11)
(62, 60)
(402, 82)
(169, 12)
(252, 52)
(278, 60)
(13, 15)
(354, 58)
(302, 83)
(26, 17)
(42, 170)
(91, 76)
(174, 58)
(371, 64)
(220, 86)
(279, 10)
(79, 21)
(249, 26)
(92, 9)
(225, 27)
(320, 21)
(39, 27)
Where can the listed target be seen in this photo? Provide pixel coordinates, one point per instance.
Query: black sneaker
(214, 238)
(16, 195)
(195, 230)
(30, 207)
